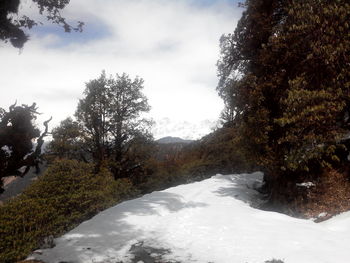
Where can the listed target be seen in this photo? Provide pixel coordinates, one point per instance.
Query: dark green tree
(286, 69)
(12, 26)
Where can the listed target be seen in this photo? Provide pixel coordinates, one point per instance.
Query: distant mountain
(169, 139)
(184, 129)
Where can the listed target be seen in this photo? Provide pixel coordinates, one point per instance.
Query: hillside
(208, 221)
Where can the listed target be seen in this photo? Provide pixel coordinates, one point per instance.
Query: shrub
(67, 194)
(330, 194)
(156, 175)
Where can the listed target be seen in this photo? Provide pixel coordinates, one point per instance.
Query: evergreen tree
(286, 69)
(314, 48)
(241, 70)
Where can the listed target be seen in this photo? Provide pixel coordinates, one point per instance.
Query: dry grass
(331, 195)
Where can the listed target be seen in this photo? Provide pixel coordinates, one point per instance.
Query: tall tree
(286, 68)
(110, 113)
(240, 70)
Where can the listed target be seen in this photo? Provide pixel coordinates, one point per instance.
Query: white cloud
(172, 45)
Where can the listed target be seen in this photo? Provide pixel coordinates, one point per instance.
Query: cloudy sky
(172, 44)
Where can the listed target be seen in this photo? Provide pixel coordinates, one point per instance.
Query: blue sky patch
(93, 29)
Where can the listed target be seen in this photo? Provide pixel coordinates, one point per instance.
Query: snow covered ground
(208, 221)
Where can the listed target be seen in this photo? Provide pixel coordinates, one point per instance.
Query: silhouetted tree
(110, 114)
(12, 27)
(17, 132)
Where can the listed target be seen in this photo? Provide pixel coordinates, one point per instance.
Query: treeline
(102, 155)
(285, 79)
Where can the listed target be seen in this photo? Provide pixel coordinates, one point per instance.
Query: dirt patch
(149, 254)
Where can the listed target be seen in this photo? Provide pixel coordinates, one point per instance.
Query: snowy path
(208, 221)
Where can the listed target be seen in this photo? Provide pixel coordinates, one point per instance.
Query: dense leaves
(284, 77)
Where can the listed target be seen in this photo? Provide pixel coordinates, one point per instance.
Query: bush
(67, 194)
(155, 175)
(329, 195)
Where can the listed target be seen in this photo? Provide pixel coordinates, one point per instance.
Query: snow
(6, 149)
(189, 130)
(323, 214)
(306, 184)
(208, 221)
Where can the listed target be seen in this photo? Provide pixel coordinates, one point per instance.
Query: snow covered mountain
(208, 221)
(183, 129)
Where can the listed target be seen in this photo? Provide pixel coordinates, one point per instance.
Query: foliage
(223, 149)
(110, 115)
(173, 164)
(286, 70)
(67, 194)
(156, 176)
(135, 163)
(12, 26)
(68, 142)
(17, 132)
